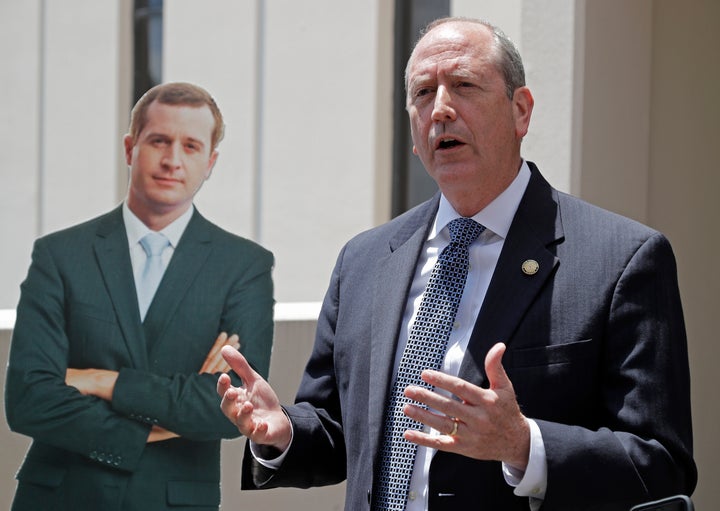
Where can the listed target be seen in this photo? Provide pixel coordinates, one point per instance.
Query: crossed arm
(101, 382)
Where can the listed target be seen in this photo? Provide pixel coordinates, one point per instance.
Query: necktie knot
(463, 231)
(153, 243)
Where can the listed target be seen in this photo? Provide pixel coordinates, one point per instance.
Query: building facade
(316, 143)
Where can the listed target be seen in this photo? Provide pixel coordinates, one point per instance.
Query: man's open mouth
(448, 143)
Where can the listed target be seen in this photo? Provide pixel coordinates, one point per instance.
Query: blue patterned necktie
(154, 244)
(425, 349)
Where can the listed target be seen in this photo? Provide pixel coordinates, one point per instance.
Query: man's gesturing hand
(481, 423)
(254, 407)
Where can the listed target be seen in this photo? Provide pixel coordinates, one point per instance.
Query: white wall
(215, 47)
(19, 135)
(544, 33)
(304, 88)
(299, 84)
(318, 137)
(59, 143)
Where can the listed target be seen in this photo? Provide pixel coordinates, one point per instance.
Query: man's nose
(172, 156)
(443, 109)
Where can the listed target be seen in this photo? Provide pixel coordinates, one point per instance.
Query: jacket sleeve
(38, 403)
(317, 454)
(642, 447)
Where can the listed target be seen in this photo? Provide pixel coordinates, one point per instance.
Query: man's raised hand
(253, 407)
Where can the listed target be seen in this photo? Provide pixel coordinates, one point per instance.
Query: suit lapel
(392, 282)
(113, 258)
(536, 226)
(188, 259)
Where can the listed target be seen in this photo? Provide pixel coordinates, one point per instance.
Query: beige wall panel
(616, 107)
(683, 201)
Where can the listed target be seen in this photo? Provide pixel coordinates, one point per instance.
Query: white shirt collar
(136, 229)
(496, 216)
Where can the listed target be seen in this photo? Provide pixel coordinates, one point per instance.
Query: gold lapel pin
(530, 267)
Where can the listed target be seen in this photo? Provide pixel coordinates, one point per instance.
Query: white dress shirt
(484, 254)
(136, 230)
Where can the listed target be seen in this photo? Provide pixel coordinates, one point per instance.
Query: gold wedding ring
(455, 427)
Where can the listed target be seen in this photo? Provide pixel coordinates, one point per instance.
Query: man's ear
(523, 103)
(211, 163)
(129, 145)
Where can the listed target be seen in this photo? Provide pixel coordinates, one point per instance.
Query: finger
(219, 341)
(223, 384)
(240, 412)
(233, 400)
(463, 390)
(214, 363)
(239, 364)
(232, 407)
(210, 361)
(497, 377)
(211, 364)
(439, 442)
(221, 366)
(439, 422)
(446, 405)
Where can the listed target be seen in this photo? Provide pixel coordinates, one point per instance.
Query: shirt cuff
(532, 482)
(274, 463)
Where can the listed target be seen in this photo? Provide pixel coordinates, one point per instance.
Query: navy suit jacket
(596, 351)
(78, 308)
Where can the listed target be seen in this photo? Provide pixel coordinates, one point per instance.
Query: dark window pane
(411, 183)
(147, 45)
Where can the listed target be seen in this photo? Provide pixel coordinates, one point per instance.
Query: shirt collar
(496, 216)
(136, 229)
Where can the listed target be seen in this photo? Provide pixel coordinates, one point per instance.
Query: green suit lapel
(187, 261)
(113, 258)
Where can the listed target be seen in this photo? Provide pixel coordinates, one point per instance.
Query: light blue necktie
(425, 349)
(154, 244)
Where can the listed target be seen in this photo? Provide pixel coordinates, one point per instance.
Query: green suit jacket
(78, 308)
